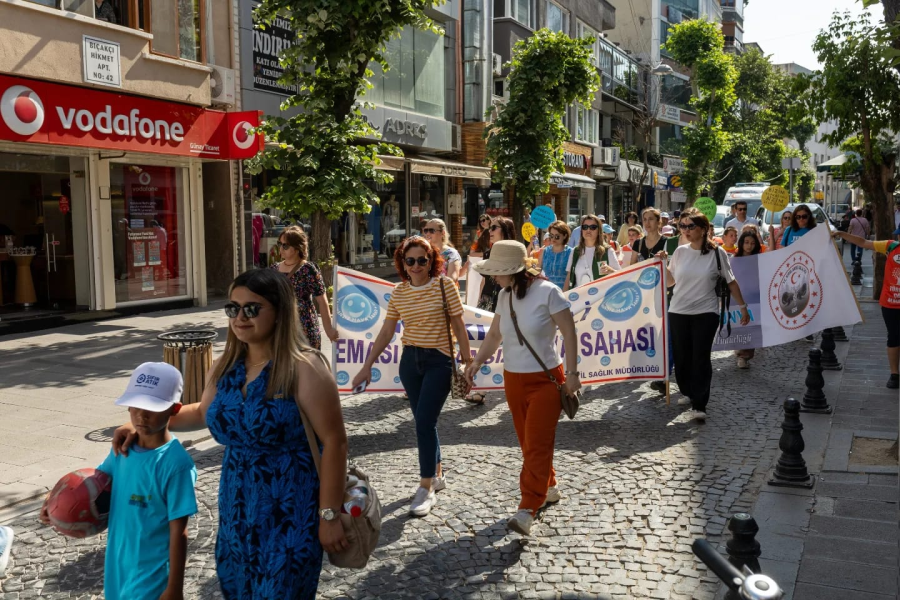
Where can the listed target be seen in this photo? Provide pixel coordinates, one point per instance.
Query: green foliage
(319, 153)
(698, 45)
(549, 71)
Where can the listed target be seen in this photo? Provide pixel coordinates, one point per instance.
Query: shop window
(149, 244)
(557, 18)
(415, 80)
(587, 125)
(364, 239)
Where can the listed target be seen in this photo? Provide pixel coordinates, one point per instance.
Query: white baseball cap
(154, 386)
(601, 217)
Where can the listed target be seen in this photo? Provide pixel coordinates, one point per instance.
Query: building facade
(116, 162)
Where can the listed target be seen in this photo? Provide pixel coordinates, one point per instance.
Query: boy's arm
(177, 559)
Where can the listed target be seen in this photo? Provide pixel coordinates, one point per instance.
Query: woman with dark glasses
(275, 513)
(436, 232)
(591, 259)
(777, 231)
(802, 222)
(427, 362)
(306, 281)
(554, 258)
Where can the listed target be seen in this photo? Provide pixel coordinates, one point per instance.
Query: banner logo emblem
(795, 292)
(622, 301)
(357, 308)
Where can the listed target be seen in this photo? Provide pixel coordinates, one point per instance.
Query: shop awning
(390, 163)
(837, 163)
(567, 180)
(448, 168)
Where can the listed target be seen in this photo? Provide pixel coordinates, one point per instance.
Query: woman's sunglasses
(488, 221)
(786, 217)
(250, 310)
(591, 227)
(410, 261)
(687, 226)
(284, 246)
(557, 236)
(802, 216)
(495, 227)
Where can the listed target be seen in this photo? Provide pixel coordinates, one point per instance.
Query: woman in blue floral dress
(307, 283)
(275, 517)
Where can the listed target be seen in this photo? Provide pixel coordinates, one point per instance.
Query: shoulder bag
(570, 403)
(362, 532)
(724, 295)
(458, 385)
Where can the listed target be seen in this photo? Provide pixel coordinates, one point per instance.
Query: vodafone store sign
(49, 113)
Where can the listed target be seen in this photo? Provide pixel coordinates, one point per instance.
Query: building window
(522, 11)
(415, 81)
(583, 31)
(587, 125)
(557, 18)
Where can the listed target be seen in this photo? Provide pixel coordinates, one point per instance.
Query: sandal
(475, 398)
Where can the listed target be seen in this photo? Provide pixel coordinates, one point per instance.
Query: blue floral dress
(268, 541)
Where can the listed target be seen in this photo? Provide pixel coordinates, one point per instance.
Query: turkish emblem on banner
(795, 291)
(64, 204)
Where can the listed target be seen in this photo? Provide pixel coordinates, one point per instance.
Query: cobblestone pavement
(639, 483)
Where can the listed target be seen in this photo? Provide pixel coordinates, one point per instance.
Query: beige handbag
(459, 387)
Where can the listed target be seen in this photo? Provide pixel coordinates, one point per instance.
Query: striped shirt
(422, 311)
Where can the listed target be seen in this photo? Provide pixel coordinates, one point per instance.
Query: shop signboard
(673, 166)
(63, 115)
(269, 42)
(102, 61)
(670, 114)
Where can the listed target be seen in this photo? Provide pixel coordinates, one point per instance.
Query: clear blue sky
(786, 29)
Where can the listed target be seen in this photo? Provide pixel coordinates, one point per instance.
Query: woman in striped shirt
(426, 365)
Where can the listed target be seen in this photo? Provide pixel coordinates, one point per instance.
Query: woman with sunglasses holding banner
(436, 232)
(276, 511)
(802, 222)
(591, 259)
(306, 281)
(427, 362)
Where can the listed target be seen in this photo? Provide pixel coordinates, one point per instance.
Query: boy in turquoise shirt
(152, 494)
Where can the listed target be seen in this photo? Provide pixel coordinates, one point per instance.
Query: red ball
(78, 506)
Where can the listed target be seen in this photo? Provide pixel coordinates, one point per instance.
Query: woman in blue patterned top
(435, 231)
(554, 258)
(275, 516)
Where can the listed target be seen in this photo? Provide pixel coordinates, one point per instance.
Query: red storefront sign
(64, 115)
(63, 204)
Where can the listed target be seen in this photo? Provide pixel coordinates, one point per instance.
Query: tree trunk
(320, 250)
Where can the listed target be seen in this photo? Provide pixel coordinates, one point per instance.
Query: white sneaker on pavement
(438, 483)
(423, 502)
(521, 522)
(699, 415)
(553, 496)
(684, 401)
(742, 363)
(6, 540)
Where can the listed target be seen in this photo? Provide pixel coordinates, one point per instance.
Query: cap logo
(22, 110)
(147, 380)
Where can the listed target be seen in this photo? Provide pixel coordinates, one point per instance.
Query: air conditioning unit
(497, 64)
(606, 157)
(221, 86)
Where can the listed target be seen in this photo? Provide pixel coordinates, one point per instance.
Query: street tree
(699, 46)
(549, 71)
(320, 154)
(858, 88)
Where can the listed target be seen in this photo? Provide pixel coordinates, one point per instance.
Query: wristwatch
(327, 514)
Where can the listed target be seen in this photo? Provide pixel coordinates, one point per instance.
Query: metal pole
(792, 182)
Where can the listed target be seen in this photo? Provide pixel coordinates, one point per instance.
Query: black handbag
(724, 295)
(570, 402)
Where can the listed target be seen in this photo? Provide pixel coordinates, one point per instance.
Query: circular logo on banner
(356, 308)
(485, 370)
(623, 300)
(542, 216)
(573, 296)
(342, 377)
(707, 206)
(649, 279)
(241, 135)
(605, 361)
(498, 379)
(795, 293)
(775, 198)
(593, 291)
(22, 110)
(597, 324)
(144, 178)
(376, 375)
(528, 231)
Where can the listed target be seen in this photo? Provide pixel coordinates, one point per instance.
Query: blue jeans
(426, 376)
(856, 253)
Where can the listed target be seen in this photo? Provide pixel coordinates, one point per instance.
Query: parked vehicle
(751, 193)
(723, 215)
(765, 216)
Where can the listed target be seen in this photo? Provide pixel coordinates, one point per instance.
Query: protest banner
(791, 293)
(620, 322)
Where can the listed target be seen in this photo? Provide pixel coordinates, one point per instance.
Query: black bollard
(790, 470)
(742, 548)
(857, 274)
(839, 334)
(814, 399)
(829, 359)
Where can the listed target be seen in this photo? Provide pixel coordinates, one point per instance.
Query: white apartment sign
(670, 114)
(102, 62)
(673, 166)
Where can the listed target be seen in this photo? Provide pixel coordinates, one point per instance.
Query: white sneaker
(6, 540)
(553, 496)
(422, 503)
(438, 483)
(684, 401)
(699, 415)
(742, 363)
(521, 522)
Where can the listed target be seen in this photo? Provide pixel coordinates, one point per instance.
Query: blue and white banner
(620, 321)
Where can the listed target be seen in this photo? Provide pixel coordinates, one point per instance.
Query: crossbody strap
(725, 300)
(522, 340)
(307, 426)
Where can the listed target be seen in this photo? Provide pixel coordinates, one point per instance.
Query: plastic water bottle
(355, 500)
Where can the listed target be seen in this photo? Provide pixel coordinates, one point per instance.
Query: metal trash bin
(190, 351)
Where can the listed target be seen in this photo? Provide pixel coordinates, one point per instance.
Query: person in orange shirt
(729, 240)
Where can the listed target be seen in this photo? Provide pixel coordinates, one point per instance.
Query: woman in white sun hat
(531, 394)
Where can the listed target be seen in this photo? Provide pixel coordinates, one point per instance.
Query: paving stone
(807, 591)
(852, 528)
(861, 551)
(859, 509)
(848, 576)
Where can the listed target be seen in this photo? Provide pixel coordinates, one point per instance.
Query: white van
(751, 193)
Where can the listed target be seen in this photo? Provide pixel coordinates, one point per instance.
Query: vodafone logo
(22, 110)
(241, 135)
(144, 178)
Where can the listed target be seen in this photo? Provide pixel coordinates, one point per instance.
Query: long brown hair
(296, 237)
(810, 222)
(601, 248)
(287, 342)
(432, 252)
(700, 220)
(507, 227)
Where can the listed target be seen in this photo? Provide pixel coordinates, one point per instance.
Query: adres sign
(96, 119)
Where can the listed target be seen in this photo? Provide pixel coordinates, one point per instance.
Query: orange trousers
(534, 403)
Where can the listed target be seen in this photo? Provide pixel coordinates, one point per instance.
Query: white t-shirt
(739, 225)
(533, 315)
(584, 269)
(695, 280)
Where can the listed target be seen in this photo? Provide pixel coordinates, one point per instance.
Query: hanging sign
(64, 204)
(102, 63)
